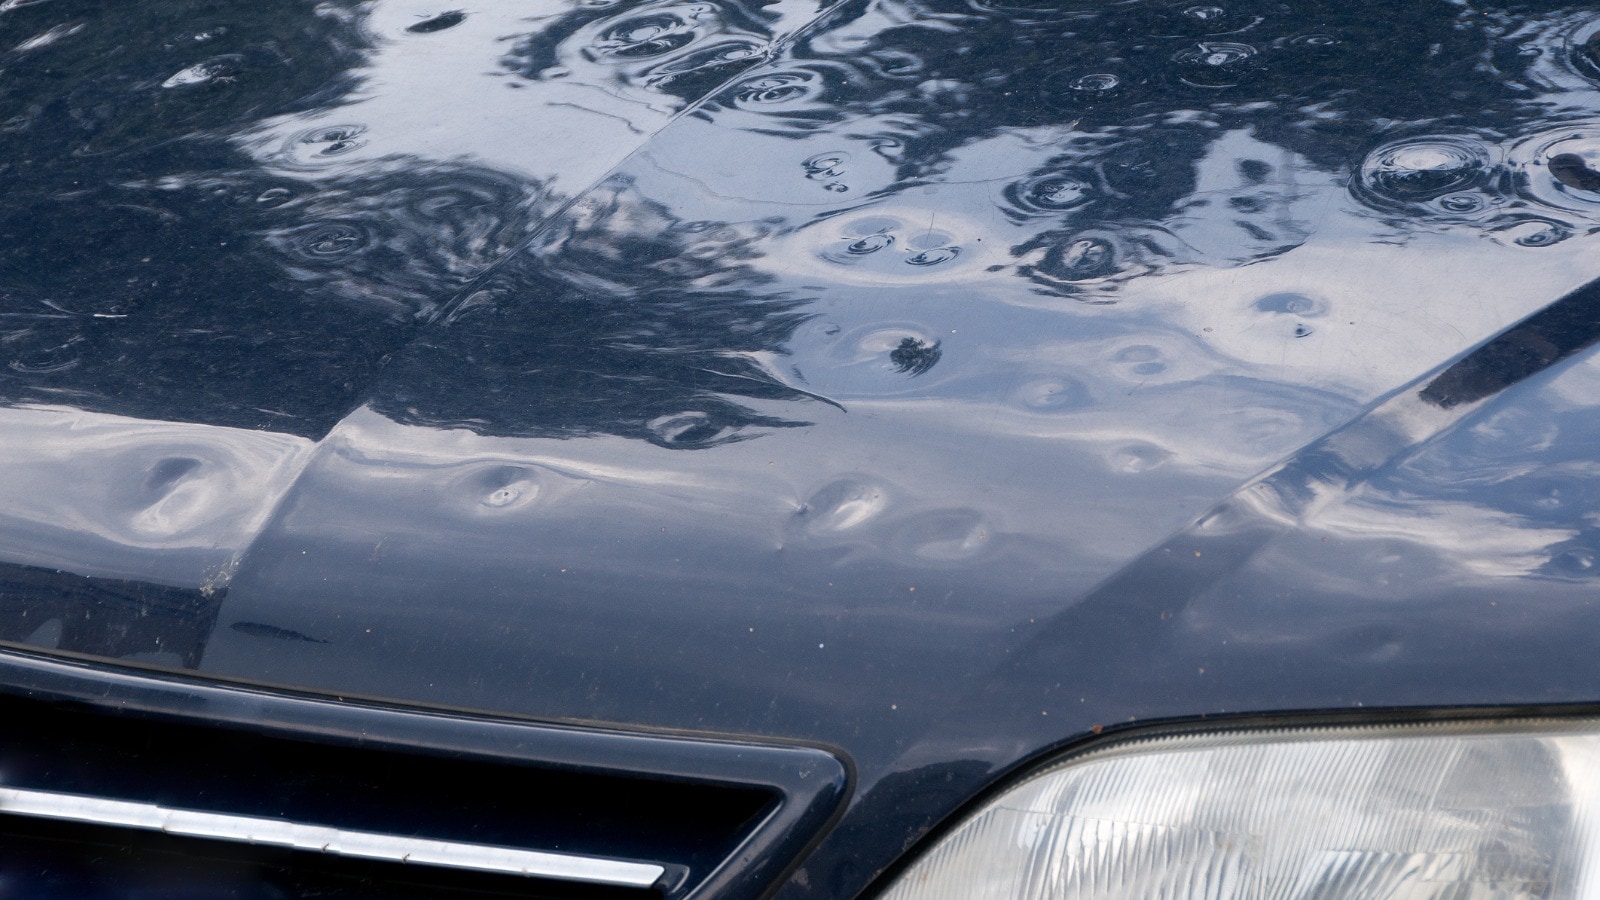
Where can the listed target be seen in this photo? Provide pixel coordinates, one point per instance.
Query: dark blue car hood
(941, 383)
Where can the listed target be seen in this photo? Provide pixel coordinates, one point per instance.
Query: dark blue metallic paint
(939, 381)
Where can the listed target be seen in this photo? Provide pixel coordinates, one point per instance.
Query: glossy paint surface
(936, 381)
(178, 742)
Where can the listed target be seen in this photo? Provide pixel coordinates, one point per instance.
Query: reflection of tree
(237, 299)
(130, 277)
(915, 357)
(1324, 78)
(685, 49)
(148, 269)
(397, 242)
(631, 322)
(112, 87)
(1139, 93)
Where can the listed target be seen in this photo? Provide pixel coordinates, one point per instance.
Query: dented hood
(939, 382)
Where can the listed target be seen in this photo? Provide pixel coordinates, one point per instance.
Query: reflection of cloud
(639, 542)
(108, 496)
(1414, 509)
(838, 167)
(604, 88)
(637, 48)
(1036, 476)
(1363, 318)
(1251, 200)
(885, 246)
(1193, 437)
(1463, 540)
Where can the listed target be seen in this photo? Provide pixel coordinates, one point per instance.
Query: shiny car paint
(938, 384)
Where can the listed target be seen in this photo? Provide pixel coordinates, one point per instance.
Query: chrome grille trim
(322, 839)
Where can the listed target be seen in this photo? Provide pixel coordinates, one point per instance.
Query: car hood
(940, 383)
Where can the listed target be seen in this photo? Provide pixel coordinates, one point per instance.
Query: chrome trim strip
(321, 839)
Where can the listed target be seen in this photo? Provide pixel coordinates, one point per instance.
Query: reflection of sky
(167, 502)
(567, 127)
(882, 348)
(1340, 314)
(816, 540)
(1455, 566)
(1507, 493)
(1113, 327)
(882, 375)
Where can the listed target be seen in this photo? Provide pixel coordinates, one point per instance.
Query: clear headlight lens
(1439, 811)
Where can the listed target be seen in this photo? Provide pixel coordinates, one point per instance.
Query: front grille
(121, 785)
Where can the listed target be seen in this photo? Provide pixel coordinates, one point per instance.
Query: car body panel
(939, 382)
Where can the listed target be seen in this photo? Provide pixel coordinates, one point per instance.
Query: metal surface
(301, 836)
(802, 787)
(939, 381)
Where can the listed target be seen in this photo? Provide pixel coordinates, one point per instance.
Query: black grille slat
(181, 744)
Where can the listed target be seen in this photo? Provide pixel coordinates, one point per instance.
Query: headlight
(1441, 811)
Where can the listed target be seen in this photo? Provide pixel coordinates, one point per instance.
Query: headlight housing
(1467, 810)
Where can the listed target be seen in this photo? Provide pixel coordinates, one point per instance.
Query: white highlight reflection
(321, 839)
(120, 497)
